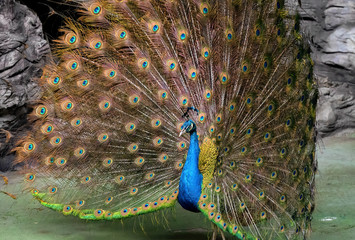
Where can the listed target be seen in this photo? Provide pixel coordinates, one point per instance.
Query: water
(334, 215)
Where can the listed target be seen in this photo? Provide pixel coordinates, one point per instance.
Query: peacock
(208, 103)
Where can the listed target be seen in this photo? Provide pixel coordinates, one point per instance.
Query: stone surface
(330, 26)
(333, 217)
(22, 51)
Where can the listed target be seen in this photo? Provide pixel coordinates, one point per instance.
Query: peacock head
(188, 127)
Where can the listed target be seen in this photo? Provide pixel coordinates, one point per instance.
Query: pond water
(334, 215)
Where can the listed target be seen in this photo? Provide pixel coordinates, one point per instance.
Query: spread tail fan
(105, 142)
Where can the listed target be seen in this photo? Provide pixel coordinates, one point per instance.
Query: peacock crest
(205, 102)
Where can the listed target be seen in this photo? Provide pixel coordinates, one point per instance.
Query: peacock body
(136, 83)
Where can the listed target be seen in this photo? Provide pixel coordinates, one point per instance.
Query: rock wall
(22, 51)
(330, 26)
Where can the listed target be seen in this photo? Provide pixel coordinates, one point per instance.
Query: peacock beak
(182, 132)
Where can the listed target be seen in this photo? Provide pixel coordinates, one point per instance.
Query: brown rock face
(22, 51)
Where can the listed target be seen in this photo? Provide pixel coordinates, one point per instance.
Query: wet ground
(334, 216)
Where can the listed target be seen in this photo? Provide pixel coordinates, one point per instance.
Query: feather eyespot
(105, 105)
(149, 176)
(163, 158)
(133, 147)
(267, 136)
(41, 111)
(80, 203)
(235, 229)
(76, 122)
(134, 99)
(212, 129)
(110, 73)
(71, 38)
(172, 65)
(139, 161)
(259, 161)
(204, 8)
(99, 213)
(107, 162)
(245, 67)
(261, 195)
(122, 34)
(205, 53)
(224, 78)
(146, 206)
(235, 186)
(192, 73)
(79, 152)
(232, 107)
(162, 95)
(242, 205)
(67, 209)
(218, 218)
(29, 147)
(83, 84)
(274, 175)
(119, 179)
(203, 205)
(60, 162)
(49, 161)
(125, 211)
(30, 177)
(52, 190)
(55, 81)
(156, 123)
(283, 152)
(67, 105)
(219, 118)
(211, 206)
(55, 141)
(183, 35)
(179, 165)
(72, 65)
(248, 178)
(232, 131)
(85, 179)
(208, 95)
(229, 35)
(181, 145)
(133, 191)
(167, 183)
(155, 27)
(108, 200)
(96, 43)
(243, 150)
(202, 117)
(263, 215)
(130, 127)
(157, 142)
(217, 189)
(103, 137)
(108, 216)
(143, 63)
(95, 9)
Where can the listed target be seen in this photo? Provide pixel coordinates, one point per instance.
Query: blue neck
(191, 178)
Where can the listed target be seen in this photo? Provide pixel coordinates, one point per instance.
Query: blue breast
(191, 178)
